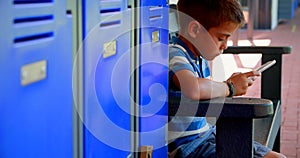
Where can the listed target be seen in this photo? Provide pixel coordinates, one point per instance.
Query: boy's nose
(223, 46)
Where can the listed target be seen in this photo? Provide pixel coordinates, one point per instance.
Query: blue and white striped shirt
(182, 129)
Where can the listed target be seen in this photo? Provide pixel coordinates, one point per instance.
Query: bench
(241, 120)
(234, 123)
(267, 130)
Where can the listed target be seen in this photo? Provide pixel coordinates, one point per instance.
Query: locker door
(36, 79)
(106, 53)
(154, 76)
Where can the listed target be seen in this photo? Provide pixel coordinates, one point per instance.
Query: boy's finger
(252, 78)
(252, 73)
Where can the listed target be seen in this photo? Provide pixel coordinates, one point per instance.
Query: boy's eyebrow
(224, 34)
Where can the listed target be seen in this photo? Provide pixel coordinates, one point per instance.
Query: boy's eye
(221, 39)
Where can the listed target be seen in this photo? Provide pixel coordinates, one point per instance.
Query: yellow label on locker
(155, 36)
(33, 72)
(109, 49)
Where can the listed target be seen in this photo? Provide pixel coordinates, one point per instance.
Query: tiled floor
(290, 141)
(286, 33)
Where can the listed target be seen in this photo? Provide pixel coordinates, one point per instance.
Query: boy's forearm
(199, 88)
(212, 89)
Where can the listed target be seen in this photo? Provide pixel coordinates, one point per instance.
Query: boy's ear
(193, 28)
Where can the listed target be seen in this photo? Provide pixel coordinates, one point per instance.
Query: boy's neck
(189, 45)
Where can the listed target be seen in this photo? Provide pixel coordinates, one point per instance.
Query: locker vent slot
(155, 12)
(155, 17)
(33, 37)
(151, 8)
(31, 1)
(33, 19)
(110, 23)
(34, 27)
(110, 10)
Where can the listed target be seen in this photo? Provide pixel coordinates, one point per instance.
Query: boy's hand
(241, 81)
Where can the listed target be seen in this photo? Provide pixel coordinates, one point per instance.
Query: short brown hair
(210, 13)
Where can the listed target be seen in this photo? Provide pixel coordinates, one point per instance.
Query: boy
(193, 136)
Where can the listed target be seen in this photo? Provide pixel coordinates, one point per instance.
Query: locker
(36, 79)
(106, 78)
(153, 87)
(286, 9)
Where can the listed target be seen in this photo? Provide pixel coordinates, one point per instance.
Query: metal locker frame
(106, 111)
(153, 76)
(36, 82)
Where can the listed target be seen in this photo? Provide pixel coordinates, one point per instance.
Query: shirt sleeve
(178, 61)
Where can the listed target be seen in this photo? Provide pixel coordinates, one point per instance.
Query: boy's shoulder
(177, 50)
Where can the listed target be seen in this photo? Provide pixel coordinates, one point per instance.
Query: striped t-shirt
(184, 129)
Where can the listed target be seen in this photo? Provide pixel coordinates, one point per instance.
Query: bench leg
(276, 146)
(234, 138)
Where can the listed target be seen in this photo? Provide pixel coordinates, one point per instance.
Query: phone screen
(265, 66)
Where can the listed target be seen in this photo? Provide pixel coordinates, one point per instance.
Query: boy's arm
(202, 88)
(199, 88)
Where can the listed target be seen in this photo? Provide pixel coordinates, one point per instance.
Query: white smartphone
(265, 66)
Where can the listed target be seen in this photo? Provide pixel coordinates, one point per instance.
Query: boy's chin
(211, 56)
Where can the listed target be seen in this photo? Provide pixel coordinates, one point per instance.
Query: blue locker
(286, 9)
(106, 78)
(154, 76)
(36, 79)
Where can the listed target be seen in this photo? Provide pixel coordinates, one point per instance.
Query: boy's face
(221, 34)
(211, 43)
